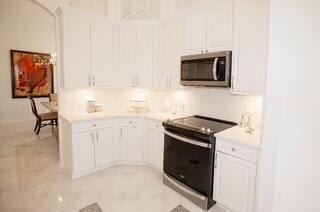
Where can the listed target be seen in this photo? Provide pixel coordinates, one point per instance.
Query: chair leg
(39, 127)
(35, 127)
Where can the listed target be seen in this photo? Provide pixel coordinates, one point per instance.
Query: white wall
(290, 173)
(24, 26)
(218, 103)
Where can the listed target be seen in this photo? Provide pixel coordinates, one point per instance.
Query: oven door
(189, 161)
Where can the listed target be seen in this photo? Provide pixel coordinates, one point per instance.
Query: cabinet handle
(89, 80)
(215, 160)
(94, 80)
(97, 134)
(92, 138)
(120, 132)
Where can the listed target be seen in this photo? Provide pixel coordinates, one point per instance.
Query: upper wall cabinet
(209, 30)
(101, 53)
(250, 45)
(74, 49)
(136, 54)
(127, 57)
(85, 50)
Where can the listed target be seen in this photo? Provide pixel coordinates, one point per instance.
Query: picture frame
(31, 74)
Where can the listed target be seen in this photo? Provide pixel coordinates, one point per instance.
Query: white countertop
(239, 135)
(159, 116)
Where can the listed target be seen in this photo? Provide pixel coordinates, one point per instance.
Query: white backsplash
(212, 102)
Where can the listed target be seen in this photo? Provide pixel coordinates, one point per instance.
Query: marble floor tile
(31, 180)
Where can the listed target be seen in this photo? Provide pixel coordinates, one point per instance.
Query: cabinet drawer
(127, 122)
(238, 150)
(91, 125)
(156, 125)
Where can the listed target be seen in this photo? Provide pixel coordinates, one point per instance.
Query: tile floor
(32, 181)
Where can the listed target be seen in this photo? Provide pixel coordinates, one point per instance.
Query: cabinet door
(83, 151)
(234, 183)
(127, 57)
(194, 33)
(177, 52)
(104, 146)
(250, 44)
(156, 142)
(161, 76)
(76, 51)
(131, 143)
(101, 54)
(218, 28)
(145, 47)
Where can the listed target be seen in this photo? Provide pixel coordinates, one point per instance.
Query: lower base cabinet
(92, 149)
(155, 139)
(234, 183)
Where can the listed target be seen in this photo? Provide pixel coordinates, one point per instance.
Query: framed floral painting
(31, 73)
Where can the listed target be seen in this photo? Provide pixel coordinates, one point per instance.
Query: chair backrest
(53, 97)
(33, 106)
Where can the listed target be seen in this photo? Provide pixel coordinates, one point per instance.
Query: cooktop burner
(200, 124)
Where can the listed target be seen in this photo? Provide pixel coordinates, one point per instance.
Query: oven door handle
(215, 64)
(188, 140)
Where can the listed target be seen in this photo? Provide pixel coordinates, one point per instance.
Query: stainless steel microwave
(210, 69)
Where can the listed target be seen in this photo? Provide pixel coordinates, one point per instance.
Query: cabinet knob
(201, 52)
(233, 149)
(94, 125)
(207, 50)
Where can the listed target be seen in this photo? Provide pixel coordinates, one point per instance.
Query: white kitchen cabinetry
(90, 146)
(250, 44)
(102, 54)
(145, 55)
(210, 29)
(83, 151)
(127, 55)
(85, 50)
(170, 49)
(235, 176)
(75, 49)
(130, 139)
(136, 54)
(154, 143)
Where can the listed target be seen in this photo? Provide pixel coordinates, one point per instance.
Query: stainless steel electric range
(189, 157)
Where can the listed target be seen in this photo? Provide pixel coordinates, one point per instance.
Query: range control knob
(203, 129)
(208, 130)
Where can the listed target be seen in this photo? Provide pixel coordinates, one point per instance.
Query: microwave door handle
(215, 64)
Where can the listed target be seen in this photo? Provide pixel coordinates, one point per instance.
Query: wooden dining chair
(44, 119)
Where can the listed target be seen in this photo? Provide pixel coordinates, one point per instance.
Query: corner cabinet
(136, 54)
(130, 139)
(235, 176)
(250, 45)
(209, 30)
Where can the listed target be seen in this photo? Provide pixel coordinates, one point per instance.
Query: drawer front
(127, 122)
(91, 125)
(237, 150)
(156, 125)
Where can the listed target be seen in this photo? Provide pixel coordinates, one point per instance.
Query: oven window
(203, 70)
(189, 164)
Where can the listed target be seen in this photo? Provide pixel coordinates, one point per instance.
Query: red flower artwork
(32, 74)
